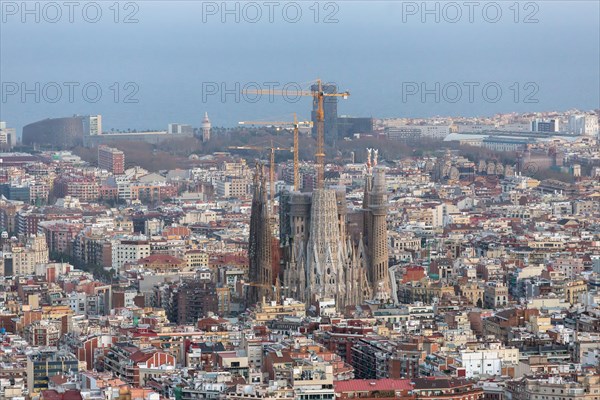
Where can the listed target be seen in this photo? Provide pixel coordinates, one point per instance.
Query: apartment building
(45, 363)
(128, 251)
(26, 256)
(111, 159)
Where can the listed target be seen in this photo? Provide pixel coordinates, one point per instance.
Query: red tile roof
(177, 231)
(160, 259)
(68, 395)
(140, 356)
(72, 395)
(51, 395)
(58, 379)
(439, 383)
(369, 385)
(212, 321)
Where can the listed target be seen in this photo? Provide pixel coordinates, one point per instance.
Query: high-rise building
(538, 125)
(8, 136)
(330, 130)
(111, 159)
(584, 124)
(92, 125)
(206, 128)
(349, 126)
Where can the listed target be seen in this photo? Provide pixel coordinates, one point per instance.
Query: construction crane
(284, 124)
(318, 95)
(276, 288)
(272, 150)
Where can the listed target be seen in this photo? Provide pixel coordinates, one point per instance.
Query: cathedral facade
(324, 256)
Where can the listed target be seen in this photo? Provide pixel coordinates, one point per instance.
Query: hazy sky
(383, 52)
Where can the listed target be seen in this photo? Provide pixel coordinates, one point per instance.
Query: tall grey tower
(324, 250)
(321, 259)
(375, 225)
(206, 128)
(330, 114)
(260, 271)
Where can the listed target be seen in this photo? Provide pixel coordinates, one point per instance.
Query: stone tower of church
(260, 244)
(321, 261)
(376, 235)
(324, 249)
(206, 126)
(326, 257)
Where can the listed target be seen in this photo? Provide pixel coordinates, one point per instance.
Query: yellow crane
(318, 95)
(276, 288)
(284, 124)
(272, 150)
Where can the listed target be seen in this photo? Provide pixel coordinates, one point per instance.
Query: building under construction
(187, 300)
(325, 257)
(323, 260)
(263, 252)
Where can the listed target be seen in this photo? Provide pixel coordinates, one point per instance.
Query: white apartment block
(232, 188)
(128, 251)
(34, 252)
(488, 361)
(584, 124)
(433, 131)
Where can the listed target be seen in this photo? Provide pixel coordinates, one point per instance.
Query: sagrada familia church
(324, 252)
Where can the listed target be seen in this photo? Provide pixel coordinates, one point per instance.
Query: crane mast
(320, 154)
(272, 151)
(296, 161)
(317, 96)
(296, 125)
(272, 181)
